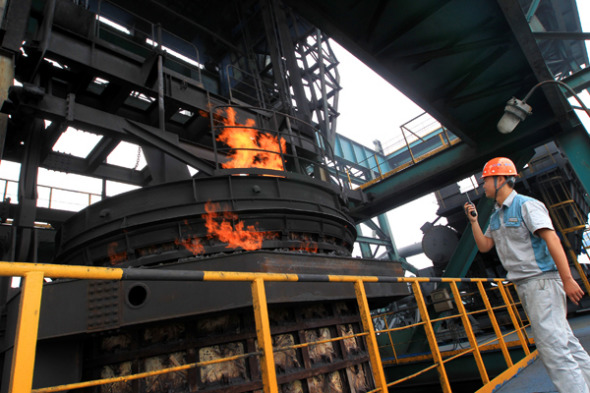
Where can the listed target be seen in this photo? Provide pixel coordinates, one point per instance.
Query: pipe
(411, 250)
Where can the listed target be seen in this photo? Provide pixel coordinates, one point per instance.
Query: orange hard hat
(499, 166)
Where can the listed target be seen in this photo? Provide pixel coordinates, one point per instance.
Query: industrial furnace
(234, 108)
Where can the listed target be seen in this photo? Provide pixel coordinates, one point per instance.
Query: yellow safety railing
(30, 302)
(445, 143)
(455, 303)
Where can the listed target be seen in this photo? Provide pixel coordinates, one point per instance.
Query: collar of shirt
(508, 200)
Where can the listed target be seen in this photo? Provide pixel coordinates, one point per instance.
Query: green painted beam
(417, 180)
(372, 240)
(579, 80)
(466, 250)
(365, 247)
(575, 144)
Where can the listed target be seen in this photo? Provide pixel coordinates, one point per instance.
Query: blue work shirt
(512, 227)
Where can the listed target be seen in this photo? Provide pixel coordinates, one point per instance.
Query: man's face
(488, 185)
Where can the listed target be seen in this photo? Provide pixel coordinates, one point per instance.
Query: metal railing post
(515, 321)
(23, 357)
(267, 362)
(492, 316)
(372, 346)
(390, 339)
(469, 331)
(442, 372)
(513, 302)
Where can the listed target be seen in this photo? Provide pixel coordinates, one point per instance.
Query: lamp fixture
(517, 110)
(514, 112)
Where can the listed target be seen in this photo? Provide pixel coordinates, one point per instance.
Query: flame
(225, 226)
(307, 244)
(192, 244)
(235, 235)
(253, 149)
(114, 256)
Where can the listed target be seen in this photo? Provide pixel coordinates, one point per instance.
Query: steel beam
(418, 180)
(95, 120)
(15, 24)
(169, 144)
(123, 68)
(6, 80)
(210, 297)
(100, 152)
(525, 38)
(25, 247)
(576, 146)
(578, 81)
(561, 35)
(67, 163)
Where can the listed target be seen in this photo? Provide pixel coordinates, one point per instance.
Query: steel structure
(129, 72)
(461, 61)
(179, 79)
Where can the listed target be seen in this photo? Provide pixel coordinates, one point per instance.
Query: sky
(363, 91)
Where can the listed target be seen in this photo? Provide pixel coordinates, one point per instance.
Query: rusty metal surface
(78, 306)
(337, 366)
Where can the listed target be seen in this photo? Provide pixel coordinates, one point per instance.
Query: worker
(528, 247)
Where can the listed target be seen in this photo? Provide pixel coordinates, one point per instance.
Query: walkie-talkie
(473, 213)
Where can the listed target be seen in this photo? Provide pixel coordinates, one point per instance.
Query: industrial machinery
(229, 111)
(236, 124)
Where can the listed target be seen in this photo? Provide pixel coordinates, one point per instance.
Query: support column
(24, 220)
(6, 80)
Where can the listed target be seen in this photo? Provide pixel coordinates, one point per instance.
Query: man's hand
(573, 290)
(570, 286)
(484, 244)
(470, 207)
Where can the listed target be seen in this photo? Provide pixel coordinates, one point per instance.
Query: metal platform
(534, 378)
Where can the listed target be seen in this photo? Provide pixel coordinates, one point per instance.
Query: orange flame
(306, 244)
(235, 235)
(224, 225)
(114, 256)
(253, 149)
(192, 244)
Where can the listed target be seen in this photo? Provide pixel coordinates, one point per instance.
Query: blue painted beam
(359, 154)
(418, 180)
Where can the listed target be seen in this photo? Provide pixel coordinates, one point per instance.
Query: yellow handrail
(475, 349)
(34, 274)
